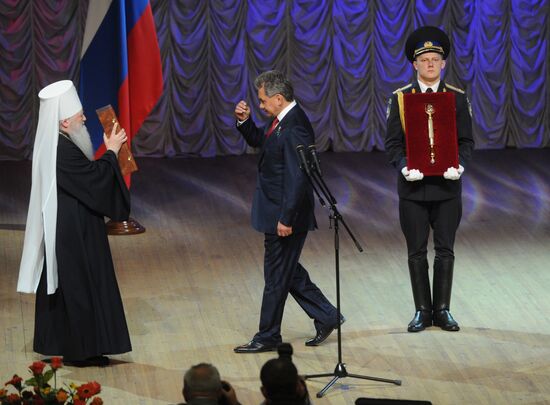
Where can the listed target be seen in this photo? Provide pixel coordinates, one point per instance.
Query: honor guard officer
(433, 201)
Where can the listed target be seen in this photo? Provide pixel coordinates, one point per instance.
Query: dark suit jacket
(283, 193)
(431, 188)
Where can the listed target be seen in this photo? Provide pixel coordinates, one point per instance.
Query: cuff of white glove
(452, 173)
(412, 175)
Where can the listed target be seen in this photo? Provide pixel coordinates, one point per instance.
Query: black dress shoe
(445, 321)
(96, 361)
(323, 333)
(421, 320)
(255, 347)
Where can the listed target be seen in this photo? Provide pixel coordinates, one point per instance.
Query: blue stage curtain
(344, 57)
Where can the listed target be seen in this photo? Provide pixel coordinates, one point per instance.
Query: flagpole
(115, 65)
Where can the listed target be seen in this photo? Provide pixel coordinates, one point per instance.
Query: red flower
(88, 390)
(13, 399)
(56, 363)
(37, 367)
(37, 391)
(62, 396)
(37, 399)
(15, 381)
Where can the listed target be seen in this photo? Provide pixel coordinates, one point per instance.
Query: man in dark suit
(283, 209)
(431, 201)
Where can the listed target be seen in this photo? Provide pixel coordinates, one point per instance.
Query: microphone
(301, 150)
(315, 164)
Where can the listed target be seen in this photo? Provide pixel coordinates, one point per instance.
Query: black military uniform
(432, 201)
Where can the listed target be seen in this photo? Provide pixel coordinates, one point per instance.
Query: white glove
(452, 173)
(412, 175)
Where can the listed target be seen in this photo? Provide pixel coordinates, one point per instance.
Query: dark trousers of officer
(416, 218)
(282, 275)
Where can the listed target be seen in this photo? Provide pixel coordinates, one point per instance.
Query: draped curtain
(344, 57)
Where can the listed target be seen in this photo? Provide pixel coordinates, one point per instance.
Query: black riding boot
(420, 281)
(443, 282)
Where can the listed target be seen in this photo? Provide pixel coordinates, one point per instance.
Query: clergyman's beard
(81, 138)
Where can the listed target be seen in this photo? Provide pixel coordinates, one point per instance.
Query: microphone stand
(315, 178)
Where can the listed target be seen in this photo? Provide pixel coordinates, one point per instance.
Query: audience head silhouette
(281, 383)
(202, 382)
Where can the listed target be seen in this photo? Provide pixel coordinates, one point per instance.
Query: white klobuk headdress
(58, 101)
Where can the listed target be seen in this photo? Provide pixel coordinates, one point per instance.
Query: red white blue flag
(120, 65)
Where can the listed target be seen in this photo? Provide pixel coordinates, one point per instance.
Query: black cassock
(85, 316)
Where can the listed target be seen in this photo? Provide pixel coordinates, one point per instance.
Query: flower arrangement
(37, 390)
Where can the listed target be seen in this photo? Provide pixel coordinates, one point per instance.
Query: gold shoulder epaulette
(402, 88)
(454, 88)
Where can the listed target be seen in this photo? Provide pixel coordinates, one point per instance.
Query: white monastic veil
(58, 101)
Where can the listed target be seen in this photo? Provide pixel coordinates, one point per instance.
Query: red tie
(272, 127)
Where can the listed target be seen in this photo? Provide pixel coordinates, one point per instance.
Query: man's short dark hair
(274, 82)
(279, 379)
(202, 378)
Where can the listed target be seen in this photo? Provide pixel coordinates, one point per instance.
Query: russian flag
(120, 65)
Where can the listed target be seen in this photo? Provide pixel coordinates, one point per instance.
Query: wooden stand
(130, 227)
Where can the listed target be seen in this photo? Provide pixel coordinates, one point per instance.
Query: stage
(192, 284)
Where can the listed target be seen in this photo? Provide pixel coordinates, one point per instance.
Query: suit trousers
(282, 275)
(417, 217)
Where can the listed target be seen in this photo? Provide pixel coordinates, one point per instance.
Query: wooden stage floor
(192, 284)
